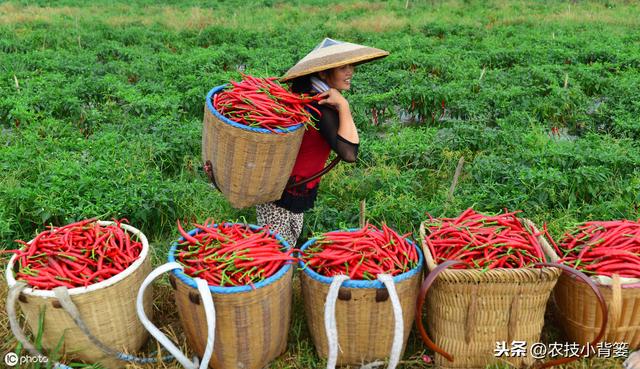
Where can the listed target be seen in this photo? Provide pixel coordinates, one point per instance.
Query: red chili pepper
(362, 254)
(603, 248)
(483, 241)
(69, 255)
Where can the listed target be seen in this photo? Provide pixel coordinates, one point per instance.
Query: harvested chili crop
(76, 255)
(483, 241)
(361, 254)
(231, 254)
(262, 102)
(603, 248)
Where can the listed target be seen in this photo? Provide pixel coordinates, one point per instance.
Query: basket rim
(189, 281)
(232, 123)
(359, 283)
(11, 281)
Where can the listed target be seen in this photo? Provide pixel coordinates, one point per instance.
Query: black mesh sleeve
(328, 126)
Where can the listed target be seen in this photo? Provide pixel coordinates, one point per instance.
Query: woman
(326, 70)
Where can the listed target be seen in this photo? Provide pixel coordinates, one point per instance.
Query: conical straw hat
(331, 54)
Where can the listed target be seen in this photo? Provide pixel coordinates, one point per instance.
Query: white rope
(155, 332)
(398, 332)
(210, 314)
(12, 299)
(633, 361)
(330, 319)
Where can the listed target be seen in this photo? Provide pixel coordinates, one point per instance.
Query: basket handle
(12, 298)
(398, 331)
(324, 171)
(62, 294)
(330, 324)
(426, 284)
(601, 301)
(209, 309)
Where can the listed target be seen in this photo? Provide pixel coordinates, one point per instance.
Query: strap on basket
(64, 299)
(12, 299)
(331, 329)
(210, 314)
(324, 171)
(603, 307)
(426, 284)
(208, 170)
(62, 294)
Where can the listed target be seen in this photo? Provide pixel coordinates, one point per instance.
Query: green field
(101, 107)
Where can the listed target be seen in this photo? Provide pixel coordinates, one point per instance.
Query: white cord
(330, 325)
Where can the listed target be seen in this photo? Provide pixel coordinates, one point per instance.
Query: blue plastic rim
(209, 102)
(353, 283)
(234, 289)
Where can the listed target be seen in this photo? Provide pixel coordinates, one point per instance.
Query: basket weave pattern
(110, 314)
(251, 327)
(365, 327)
(468, 311)
(581, 317)
(250, 167)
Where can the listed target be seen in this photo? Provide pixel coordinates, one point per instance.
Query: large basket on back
(249, 165)
(581, 317)
(469, 311)
(108, 309)
(364, 316)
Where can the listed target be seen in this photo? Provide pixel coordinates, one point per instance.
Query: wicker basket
(581, 318)
(468, 311)
(252, 324)
(107, 308)
(364, 316)
(249, 165)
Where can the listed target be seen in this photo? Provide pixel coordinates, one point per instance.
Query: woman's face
(340, 77)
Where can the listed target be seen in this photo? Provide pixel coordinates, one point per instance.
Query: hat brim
(333, 61)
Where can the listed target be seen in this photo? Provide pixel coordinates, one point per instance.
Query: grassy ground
(101, 111)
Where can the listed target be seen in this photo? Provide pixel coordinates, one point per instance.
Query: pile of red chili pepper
(261, 102)
(483, 241)
(603, 248)
(231, 254)
(361, 254)
(76, 255)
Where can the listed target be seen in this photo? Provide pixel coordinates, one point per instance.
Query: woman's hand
(334, 99)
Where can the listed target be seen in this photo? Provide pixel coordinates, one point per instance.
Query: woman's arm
(334, 125)
(347, 128)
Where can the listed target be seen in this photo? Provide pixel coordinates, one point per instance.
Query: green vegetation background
(101, 107)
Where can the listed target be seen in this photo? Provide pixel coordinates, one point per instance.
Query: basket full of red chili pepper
(489, 282)
(252, 131)
(72, 271)
(359, 288)
(233, 288)
(609, 252)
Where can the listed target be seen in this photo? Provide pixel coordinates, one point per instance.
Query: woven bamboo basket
(107, 308)
(249, 165)
(364, 316)
(468, 311)
(252, 324)
(581, 318)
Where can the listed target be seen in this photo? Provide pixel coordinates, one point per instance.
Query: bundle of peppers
(231, 254)
(483, 241)
(603, 248)
(76, 255)
(261, 102)
(361, 254)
